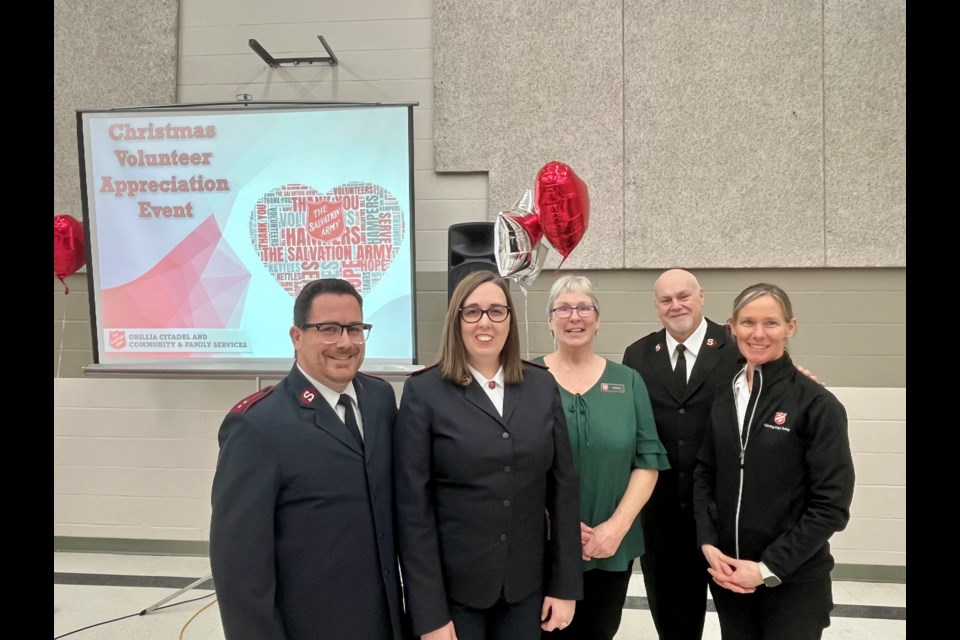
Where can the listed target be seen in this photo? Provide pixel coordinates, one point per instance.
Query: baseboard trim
(132, 546)
(842, 572)
(869, 573)
(890, 574)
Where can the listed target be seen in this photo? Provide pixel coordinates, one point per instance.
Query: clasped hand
(601, 541)
(739, 576)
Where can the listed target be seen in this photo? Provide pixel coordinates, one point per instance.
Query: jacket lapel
(661, 365)
(475, 394)
(369, 414)
(511, 398)
(324, 415)
(708, 357)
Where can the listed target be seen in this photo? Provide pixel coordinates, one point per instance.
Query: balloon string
(63, 330)
(526, 320)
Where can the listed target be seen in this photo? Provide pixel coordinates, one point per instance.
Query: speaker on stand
(469, 249)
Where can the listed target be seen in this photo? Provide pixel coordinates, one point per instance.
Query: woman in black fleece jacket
(774, 481)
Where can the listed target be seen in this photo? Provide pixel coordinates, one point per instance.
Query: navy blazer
(472, 490)
(301, 538)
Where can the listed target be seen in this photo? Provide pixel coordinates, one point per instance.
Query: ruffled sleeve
(650, 453)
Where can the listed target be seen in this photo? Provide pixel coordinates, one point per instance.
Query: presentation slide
(205, 223)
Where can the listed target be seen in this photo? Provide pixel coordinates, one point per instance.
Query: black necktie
(350, 418)
(680, 373)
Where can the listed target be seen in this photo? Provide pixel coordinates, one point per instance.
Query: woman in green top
(616, 450)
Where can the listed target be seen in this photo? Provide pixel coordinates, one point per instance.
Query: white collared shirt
(741, 395)
(692, 344)
(496, 393)
(333, 398)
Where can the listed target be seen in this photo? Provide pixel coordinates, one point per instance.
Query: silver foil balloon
(516, 240)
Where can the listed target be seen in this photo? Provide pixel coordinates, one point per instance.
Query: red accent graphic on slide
(200, 283)
(353, 231)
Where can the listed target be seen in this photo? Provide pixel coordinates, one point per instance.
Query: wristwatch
(769, 579)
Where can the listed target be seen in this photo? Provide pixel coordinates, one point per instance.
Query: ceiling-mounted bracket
(330, 59)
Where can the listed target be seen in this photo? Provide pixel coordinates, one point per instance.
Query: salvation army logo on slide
(353, 231)
(118, 339)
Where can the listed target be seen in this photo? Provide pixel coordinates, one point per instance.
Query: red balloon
(68, 247)
(530, 223)
(564, 206)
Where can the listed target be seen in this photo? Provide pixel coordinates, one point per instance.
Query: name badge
(609, 387)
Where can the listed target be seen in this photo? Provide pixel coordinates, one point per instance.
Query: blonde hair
(758, 290)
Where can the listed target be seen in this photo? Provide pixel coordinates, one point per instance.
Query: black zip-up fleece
(794, 486)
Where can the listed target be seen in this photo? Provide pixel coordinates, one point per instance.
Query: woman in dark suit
(481, 454)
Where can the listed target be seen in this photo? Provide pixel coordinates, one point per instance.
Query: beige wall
(134, 457)
(760, 133)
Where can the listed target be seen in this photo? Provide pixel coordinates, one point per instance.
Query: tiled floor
(91, 588)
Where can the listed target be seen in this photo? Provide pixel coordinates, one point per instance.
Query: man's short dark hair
(301, 308)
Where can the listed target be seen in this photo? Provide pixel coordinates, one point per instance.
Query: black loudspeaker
(469, 249)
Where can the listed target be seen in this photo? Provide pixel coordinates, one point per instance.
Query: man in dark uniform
(301, 538)
(674, 569)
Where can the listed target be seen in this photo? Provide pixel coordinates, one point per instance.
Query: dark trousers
(503, 621)
(792, 611)
(675, 576)
(598, 615)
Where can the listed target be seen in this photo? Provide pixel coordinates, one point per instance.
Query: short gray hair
(571, 284)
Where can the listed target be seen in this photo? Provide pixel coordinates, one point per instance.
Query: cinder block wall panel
(856, 347)
(119, 477)
(133, 481)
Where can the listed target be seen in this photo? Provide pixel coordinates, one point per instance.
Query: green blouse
(612, 432)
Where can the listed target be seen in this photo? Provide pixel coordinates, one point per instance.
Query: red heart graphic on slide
(353, 232)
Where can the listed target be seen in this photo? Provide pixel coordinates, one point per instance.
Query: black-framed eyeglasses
(329, 332)
(583, 310)
(496, 313)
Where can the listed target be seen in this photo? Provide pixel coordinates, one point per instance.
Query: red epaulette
(536, 364)
(244, 405)
(416, 373)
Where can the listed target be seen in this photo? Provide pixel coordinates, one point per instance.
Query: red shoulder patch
(536, 364)
(244, 405)
(416, 373)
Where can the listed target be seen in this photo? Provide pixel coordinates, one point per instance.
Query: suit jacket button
(503, 538)
(506, 503)
(507, 468)
(505, 435)
(682, 410)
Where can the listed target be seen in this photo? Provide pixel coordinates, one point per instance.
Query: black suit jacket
(472, 488)
(682, 418)
(302, 534)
